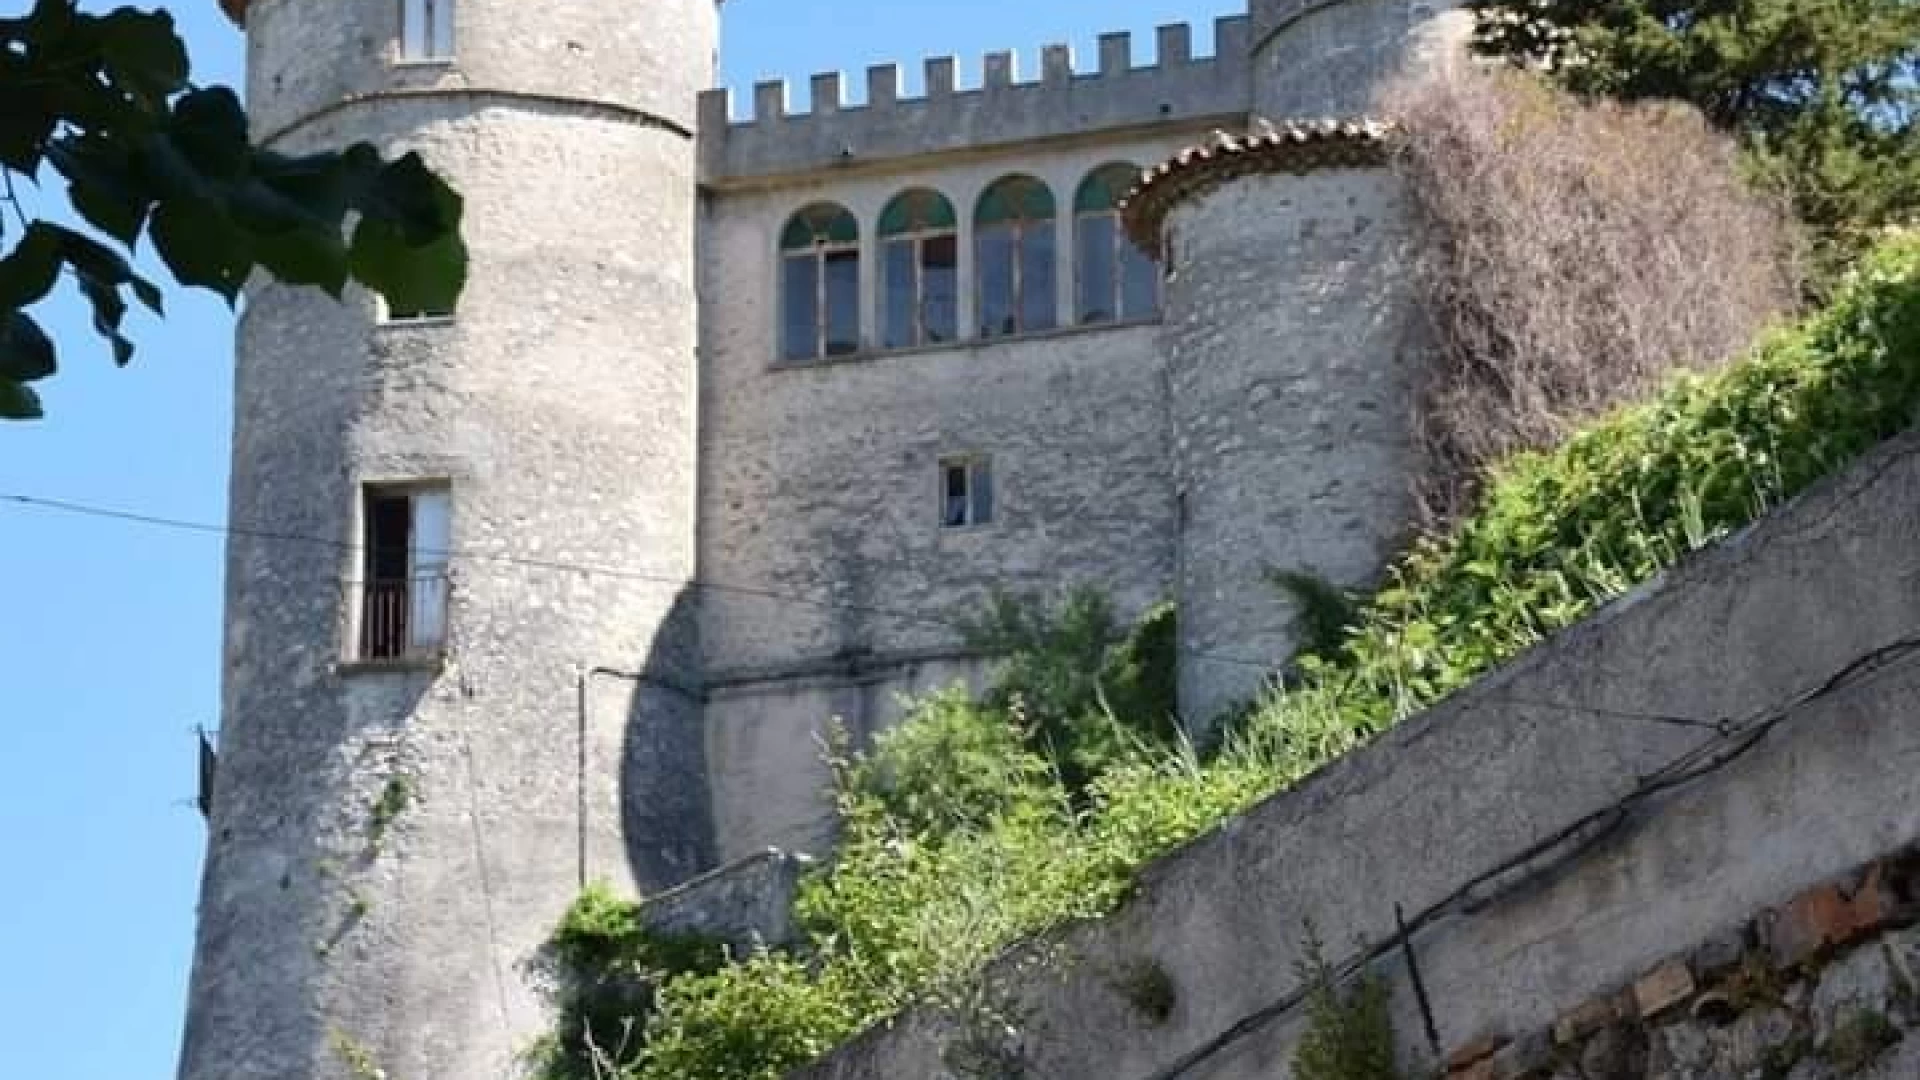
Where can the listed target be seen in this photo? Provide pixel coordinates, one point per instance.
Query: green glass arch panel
(917, 210)
(1103, 189)
(820, 225)
(1015, 198)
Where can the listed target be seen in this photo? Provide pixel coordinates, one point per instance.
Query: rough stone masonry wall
(1822, 987)
(1714, 744)
(1288, 330)
(391, 845)
(1328, 58)
(835, 586)
(1006, 108)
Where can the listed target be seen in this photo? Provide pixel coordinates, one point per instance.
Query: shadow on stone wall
(666, 809)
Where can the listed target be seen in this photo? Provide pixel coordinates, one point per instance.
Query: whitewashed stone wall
(1288, 337)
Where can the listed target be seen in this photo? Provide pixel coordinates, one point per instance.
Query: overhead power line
(948, 622)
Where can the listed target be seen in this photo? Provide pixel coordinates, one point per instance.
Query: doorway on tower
(407, 549)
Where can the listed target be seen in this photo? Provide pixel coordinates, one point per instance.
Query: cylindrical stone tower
(1288, 337)
(445, 524)
(1328, 58)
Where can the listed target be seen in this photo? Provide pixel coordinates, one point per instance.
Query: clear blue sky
(110, 632)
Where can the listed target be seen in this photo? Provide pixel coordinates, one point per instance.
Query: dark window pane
(956, 505)
(940, 279)
(994, 251)
(1096, 268)
(799, 305)
(1037, 261)
(1140, 284)
(897, 298)
(843, 302)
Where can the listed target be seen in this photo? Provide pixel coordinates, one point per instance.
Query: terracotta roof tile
(1297, 146)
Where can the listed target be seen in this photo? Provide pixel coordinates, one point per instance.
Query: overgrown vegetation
(1823, 94)
(1087, 696)
(1571, 257)
(1349, 1033)
(609, 965)
(926, 891)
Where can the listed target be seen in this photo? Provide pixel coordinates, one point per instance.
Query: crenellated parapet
(1179, 88)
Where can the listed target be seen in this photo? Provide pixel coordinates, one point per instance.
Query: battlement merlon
(1179, 88)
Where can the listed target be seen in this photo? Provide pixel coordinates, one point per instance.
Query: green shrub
(922, 895)
(1088, 696)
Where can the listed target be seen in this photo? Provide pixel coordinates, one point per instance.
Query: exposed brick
(1475, 1050)
(1662, 988)
(1478, 1070)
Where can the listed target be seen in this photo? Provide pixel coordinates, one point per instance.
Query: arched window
(1014, 245)
(1116, 280)
(920, 267)
(820, 284)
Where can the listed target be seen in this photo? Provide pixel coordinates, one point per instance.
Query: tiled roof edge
(1297, 147)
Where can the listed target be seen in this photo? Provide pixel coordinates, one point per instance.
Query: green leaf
(19, 402)
(309, 256)
(425, 277)
(408, 195)
(202, 246)
(325, 186)
(210, 127)
(94, 261)
(144, 52)
(26, 353)
(25, 125)
(28, 272)
(109, 310)
(103, 186)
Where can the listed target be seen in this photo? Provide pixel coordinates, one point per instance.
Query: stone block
(1662, 988)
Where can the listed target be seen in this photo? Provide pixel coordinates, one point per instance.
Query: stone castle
(734, 420)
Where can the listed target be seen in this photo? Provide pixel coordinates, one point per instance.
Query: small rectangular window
(403, 598)
(426, 29)
(966, 492)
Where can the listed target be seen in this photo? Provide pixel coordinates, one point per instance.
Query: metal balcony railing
(404, 619)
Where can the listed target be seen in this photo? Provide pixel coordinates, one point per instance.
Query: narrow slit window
(1014, 250)
(966, 492)
(403, 598)
(820, 284)
(1116, 281)
(426, 29)
(920, 250)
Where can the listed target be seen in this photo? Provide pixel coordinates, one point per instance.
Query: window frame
(914, 235)
(1023, 231)
(1123, 253)
(820, 253)
(978, 501)
(437, 31)
(426, 595)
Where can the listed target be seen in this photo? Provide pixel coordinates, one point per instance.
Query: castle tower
(1328, 58)
(1289, 335)
(423, 753)
(1288, 330)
